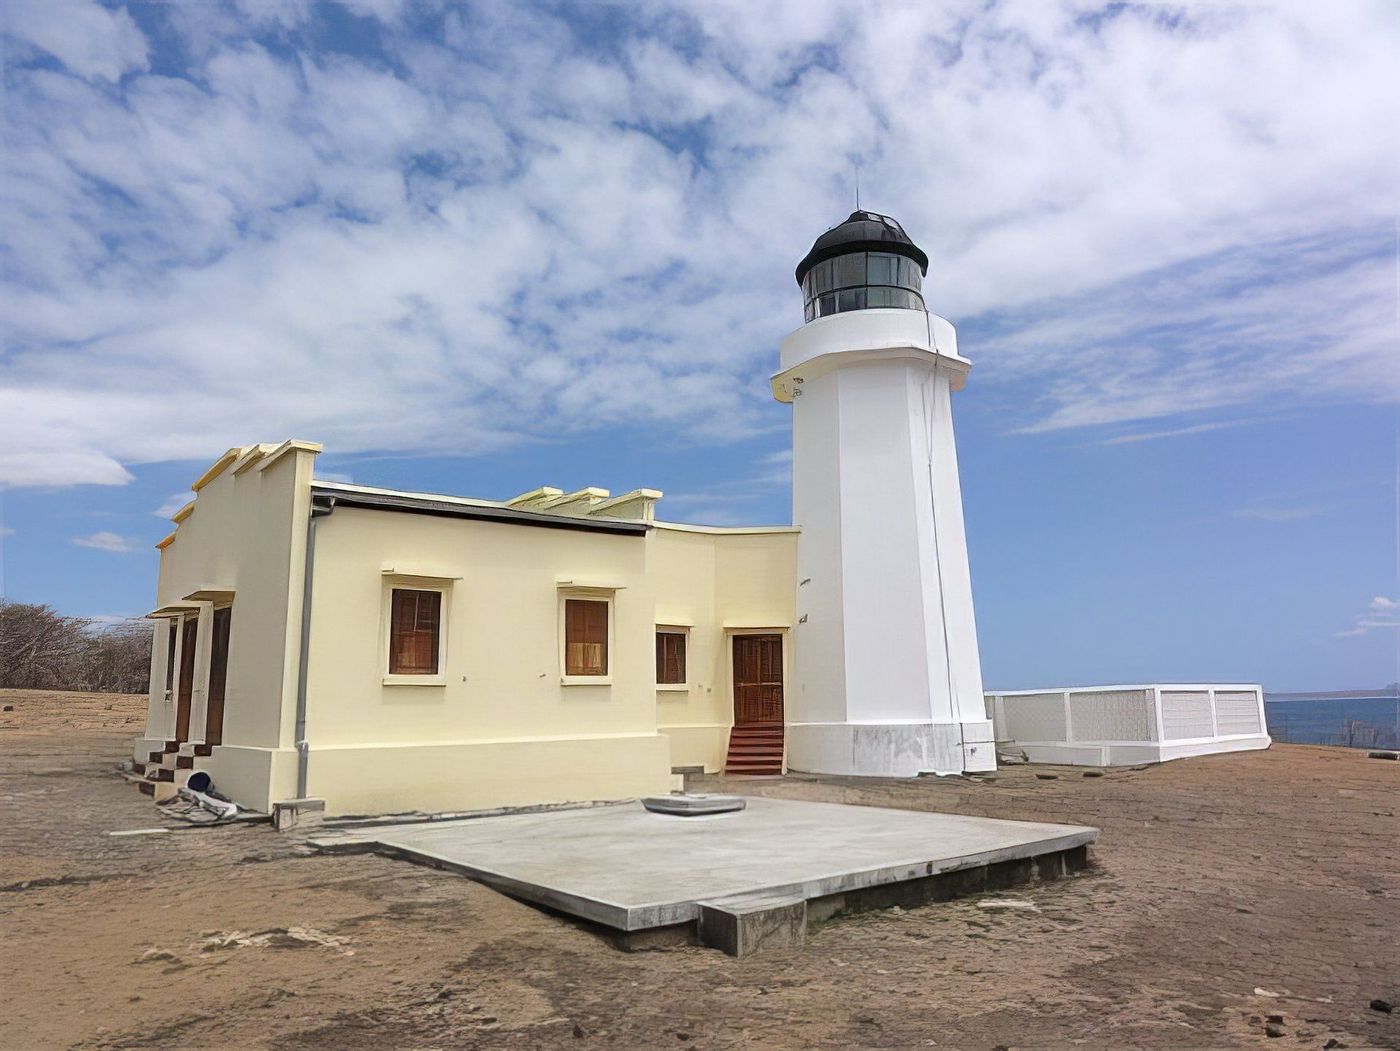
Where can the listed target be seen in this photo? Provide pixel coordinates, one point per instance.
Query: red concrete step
(755, 749)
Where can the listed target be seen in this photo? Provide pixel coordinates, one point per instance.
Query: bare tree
(40, 649)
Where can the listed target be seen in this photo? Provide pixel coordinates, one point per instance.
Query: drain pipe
(321, 506)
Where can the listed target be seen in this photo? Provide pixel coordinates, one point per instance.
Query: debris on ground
(274, 938)
(158, 956)
(1008, 905)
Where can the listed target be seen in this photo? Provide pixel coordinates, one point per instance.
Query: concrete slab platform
(631, 870)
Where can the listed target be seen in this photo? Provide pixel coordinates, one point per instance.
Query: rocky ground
(1234, 901)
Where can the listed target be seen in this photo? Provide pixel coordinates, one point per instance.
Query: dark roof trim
(326, 500)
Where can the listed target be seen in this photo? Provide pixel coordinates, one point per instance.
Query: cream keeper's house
(389, 651)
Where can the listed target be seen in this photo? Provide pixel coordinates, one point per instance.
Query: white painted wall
(818, 690)
(1123, 725)
(887, 676)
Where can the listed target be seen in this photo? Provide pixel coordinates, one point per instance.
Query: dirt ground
(1223, 891)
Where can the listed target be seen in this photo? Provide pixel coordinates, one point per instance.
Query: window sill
(673, 687)
(585, 680)
(415, 680)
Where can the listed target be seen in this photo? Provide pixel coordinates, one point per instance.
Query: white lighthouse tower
(886, 673)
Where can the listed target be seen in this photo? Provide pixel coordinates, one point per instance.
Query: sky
(477, 248)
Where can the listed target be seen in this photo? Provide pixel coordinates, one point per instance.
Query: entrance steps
(755, 748)
(165, 770)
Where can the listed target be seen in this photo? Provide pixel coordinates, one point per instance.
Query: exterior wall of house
(244, 540)
(499, 726)
(716, 583)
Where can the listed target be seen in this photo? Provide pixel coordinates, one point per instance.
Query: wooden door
(184, 692)
(758, 679)
(218, 676)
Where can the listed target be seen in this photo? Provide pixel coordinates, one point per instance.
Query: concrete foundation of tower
(891, 749)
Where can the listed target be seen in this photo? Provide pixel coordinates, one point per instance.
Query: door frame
(210, 708)
(784, 640)
(189, 641)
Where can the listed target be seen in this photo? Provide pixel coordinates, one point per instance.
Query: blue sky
(479, 248)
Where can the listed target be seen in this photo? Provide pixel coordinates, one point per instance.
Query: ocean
(1355, 722)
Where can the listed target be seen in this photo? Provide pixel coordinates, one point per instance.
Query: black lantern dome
(868, 261)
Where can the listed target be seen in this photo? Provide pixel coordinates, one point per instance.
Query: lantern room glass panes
(861, 280)
(882, 269)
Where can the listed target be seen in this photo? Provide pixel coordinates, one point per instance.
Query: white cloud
(1382, 614)
(173, 504)
(107, 541)
(6, 531)
(732, 502)
(89, 39)
(1172, 432)
(35, 462)
(501, 229)
(1276, 514)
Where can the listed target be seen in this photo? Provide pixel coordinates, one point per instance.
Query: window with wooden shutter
(415, 619)
(670, 657)
(585, 637)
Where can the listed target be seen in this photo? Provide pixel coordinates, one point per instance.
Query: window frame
(604, 595)
(684, 632)
(401, 583)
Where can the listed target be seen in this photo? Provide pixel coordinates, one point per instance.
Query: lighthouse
(886, 674)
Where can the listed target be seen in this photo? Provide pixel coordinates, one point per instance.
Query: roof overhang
(170, 610)
(210, 593)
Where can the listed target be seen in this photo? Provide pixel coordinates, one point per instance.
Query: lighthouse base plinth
(891, 749)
